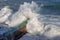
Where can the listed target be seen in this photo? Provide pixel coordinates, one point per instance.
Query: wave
(31, 11)
(26, 10)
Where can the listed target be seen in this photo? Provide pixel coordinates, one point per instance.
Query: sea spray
(34, 25)
(30, 10)
(4, 14)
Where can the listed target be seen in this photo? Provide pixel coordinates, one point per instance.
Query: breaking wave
(26, 10)
(31, 11)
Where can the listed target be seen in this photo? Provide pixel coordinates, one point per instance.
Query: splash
(27, 10)
(4, 14)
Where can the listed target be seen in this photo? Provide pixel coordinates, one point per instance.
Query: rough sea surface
(44, 17)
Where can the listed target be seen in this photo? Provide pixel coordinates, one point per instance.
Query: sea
(46, 11)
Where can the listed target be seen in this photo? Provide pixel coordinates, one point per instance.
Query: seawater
(45, 7)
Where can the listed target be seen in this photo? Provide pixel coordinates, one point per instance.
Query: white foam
(28, 10)
(35, 26)
(4, 14)
(52, 31)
